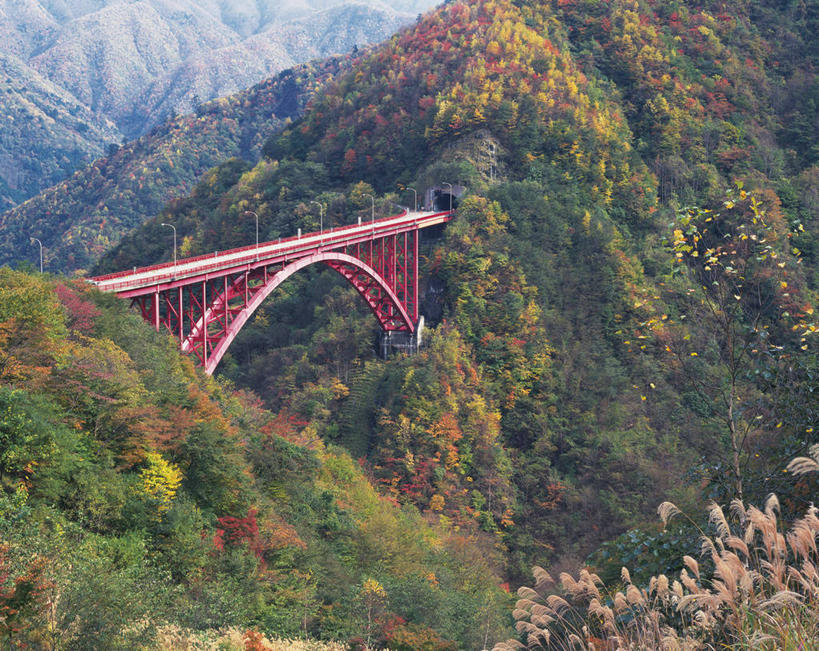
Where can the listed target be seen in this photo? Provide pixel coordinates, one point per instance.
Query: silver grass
(666, 511)
(802, 465)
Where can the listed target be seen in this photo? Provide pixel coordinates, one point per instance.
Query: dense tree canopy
(621, 312)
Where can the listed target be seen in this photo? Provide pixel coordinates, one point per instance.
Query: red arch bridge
(205, 301)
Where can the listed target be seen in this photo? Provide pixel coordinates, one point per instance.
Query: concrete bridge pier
(396, 342)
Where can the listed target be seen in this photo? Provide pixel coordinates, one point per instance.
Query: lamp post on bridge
(450, 194)
(372, 199)
(174, 243)
(321, 217)
(250, 212)
(414, 199)
(34, 239)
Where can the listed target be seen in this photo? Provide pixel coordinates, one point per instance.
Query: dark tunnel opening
(441, 201)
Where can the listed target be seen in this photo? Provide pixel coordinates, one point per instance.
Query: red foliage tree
(234, 532)
(81, 313)
(22, 600)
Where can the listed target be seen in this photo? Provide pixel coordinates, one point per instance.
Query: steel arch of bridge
(210, 346)
(205, 301)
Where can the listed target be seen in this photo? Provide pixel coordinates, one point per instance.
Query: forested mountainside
(81, 76)
(137, 493)
(622, 309)
(80, 218)
(46, 132)
(606, 118)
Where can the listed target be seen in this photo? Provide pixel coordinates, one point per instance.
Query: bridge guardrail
(250, 249)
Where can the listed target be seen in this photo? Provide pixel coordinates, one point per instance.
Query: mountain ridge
(621, 313)
(84, 215)
(134, 64)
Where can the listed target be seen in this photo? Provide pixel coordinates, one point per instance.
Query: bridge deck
(267, 252)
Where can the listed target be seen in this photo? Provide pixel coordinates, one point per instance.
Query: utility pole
(174, 243)
(414, 199)
(372, 199)
(321, 217)
(250, 212)
(34, 239)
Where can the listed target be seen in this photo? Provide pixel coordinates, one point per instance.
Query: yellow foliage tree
(160, 480)
(374, 598)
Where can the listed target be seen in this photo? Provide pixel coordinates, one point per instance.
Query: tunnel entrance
(441, 201)
(437, 198)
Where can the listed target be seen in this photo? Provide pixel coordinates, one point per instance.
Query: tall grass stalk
(763, 594)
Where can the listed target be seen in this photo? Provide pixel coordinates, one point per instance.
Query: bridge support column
(181, 319)
(415, 316)
(393, 342)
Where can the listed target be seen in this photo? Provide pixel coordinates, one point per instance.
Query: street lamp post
(250, 212)
(174, 243)
(372, 199)
(414, 199)
(34, 239)
(321, 217)
(450, 194)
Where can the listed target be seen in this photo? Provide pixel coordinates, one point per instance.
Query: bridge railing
(333, 238)
(251, 247)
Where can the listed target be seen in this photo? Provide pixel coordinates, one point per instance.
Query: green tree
(26, 436)
(744, 311)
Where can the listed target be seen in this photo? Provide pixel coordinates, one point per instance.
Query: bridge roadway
(168, 274)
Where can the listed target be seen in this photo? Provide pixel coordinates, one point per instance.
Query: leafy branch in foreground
(763, 593)
(744, 314)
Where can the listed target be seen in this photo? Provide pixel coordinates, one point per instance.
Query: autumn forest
(607, 438)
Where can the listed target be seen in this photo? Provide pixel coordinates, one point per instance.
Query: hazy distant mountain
(239, 65)
(44, 131)
(83, 216)
(78, 75)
